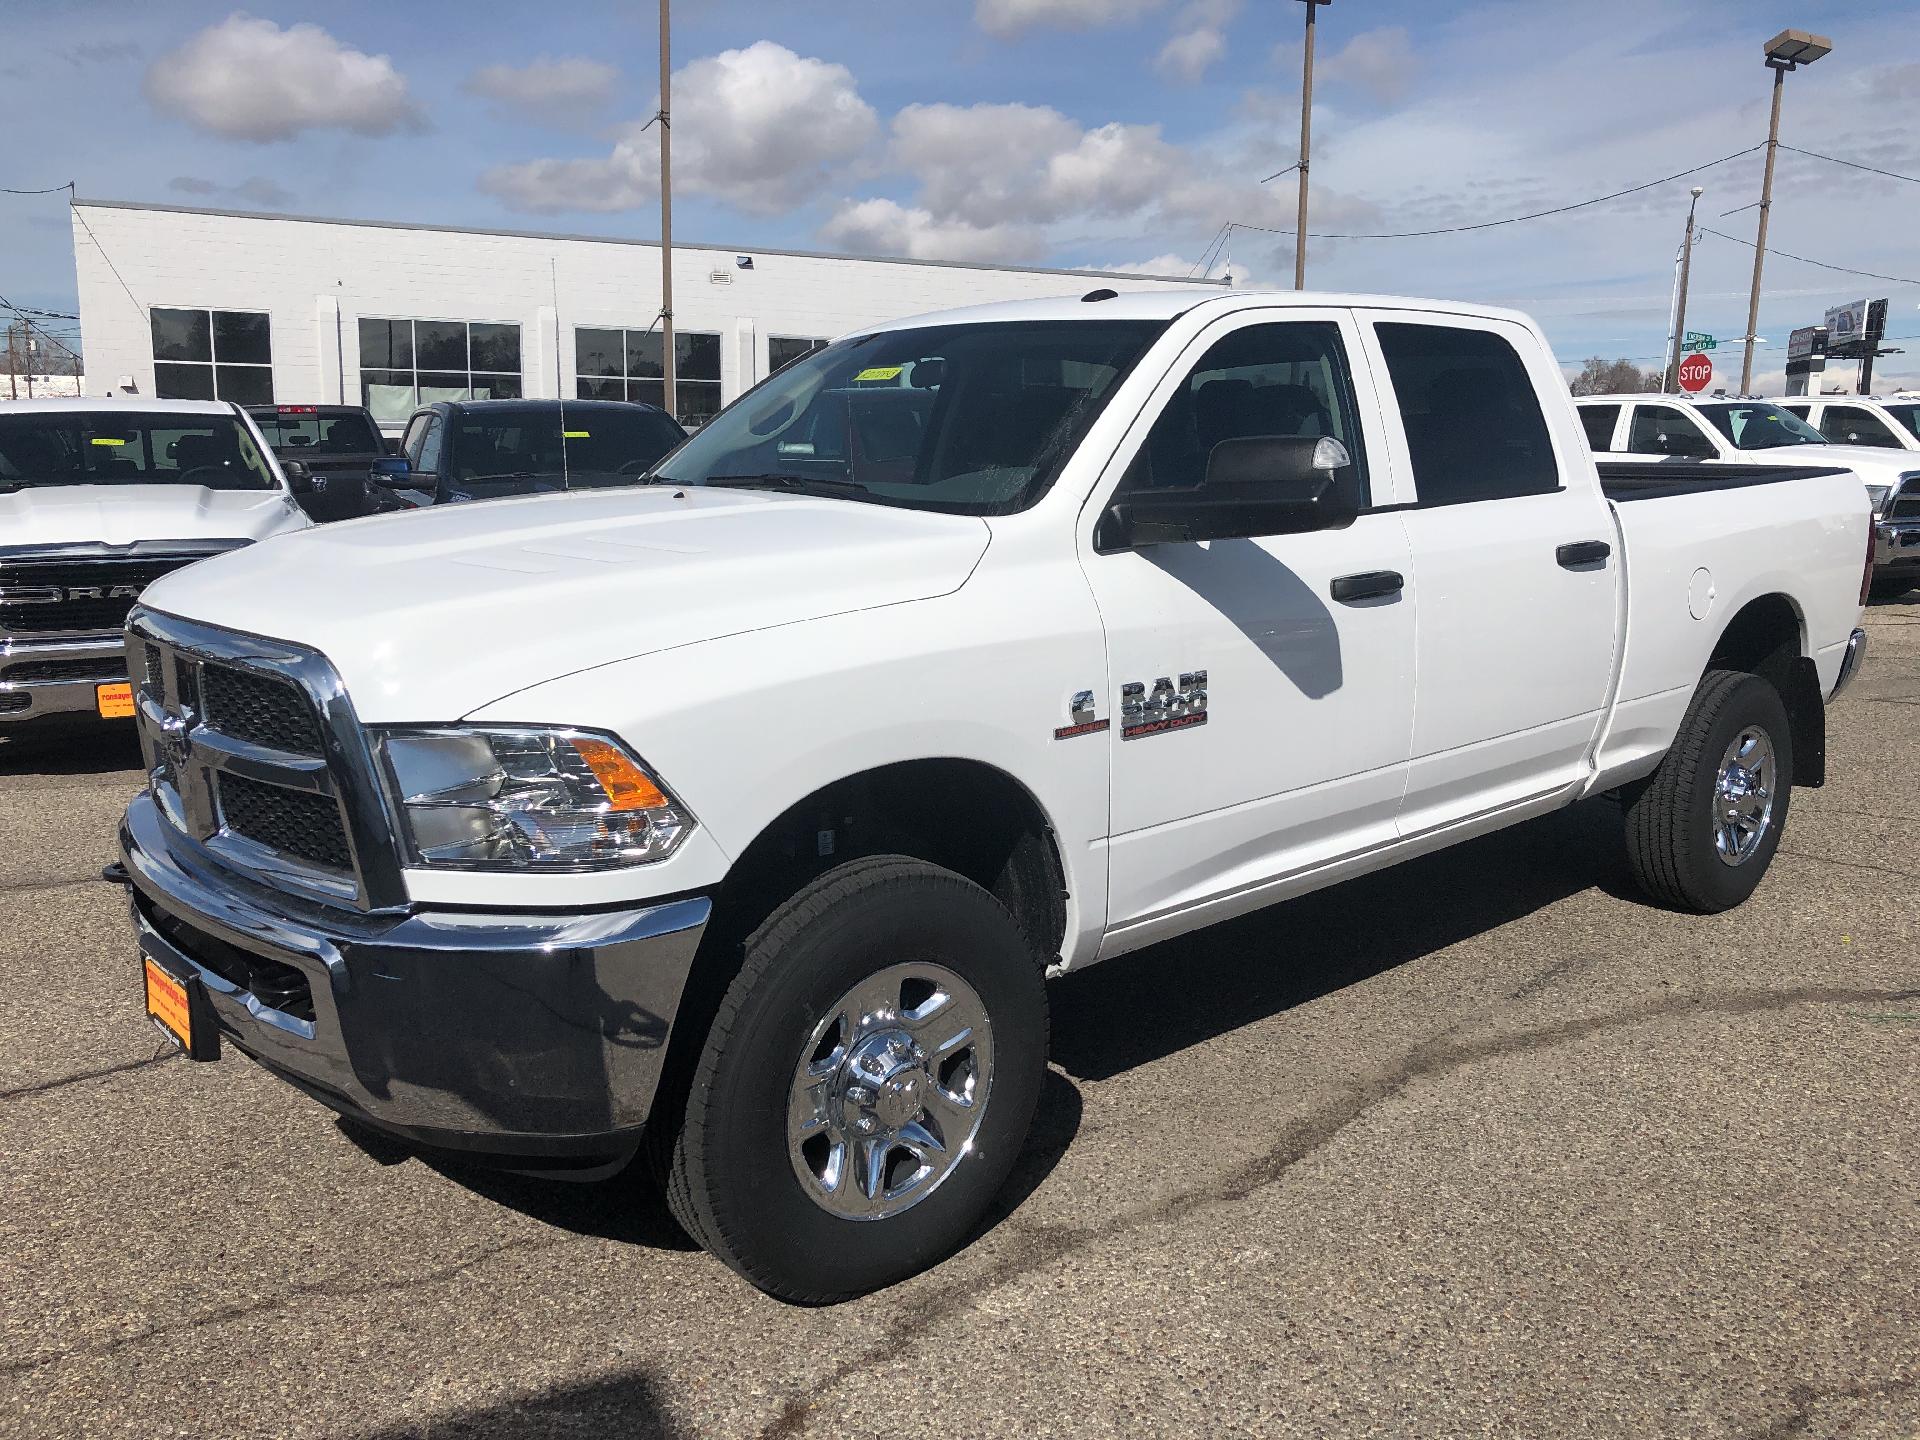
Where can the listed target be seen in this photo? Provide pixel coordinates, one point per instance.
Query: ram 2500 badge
(740, 817)
(98, 498)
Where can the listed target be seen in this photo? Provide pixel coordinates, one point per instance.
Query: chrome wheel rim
(1743, 796)
(890, 1091)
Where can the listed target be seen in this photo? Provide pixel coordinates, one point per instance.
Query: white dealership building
(177, 301)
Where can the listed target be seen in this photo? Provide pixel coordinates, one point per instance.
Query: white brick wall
(304, 273)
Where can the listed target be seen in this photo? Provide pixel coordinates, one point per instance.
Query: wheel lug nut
(859, 1095)
(864, 1124)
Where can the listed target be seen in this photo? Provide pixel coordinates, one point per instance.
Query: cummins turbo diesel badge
(1082, 717)
(1165, 709)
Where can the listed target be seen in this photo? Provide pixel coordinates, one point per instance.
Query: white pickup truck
(98, 498)
(738, 818)
(1682, 429)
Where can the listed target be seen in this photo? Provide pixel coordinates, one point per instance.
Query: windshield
(964, 419)
(304, 434)
(1907, 412)
(95, 447)
(1754, 425)
(595, 441)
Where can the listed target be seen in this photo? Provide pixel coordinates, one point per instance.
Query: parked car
(1889, 423)
(745, 813)
(98, 498)
(334, 458)
(487, 449)
(1749, 431)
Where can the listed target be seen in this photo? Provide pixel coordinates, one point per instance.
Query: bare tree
(1600, 376)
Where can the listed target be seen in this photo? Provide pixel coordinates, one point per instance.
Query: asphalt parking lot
(1482, 1145)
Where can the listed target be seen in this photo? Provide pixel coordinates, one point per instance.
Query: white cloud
(1188, 55)
(255, 190)
(548, 88)
(248, 79)
(885, 227)
(1380, 62)
(1199, 40)
(761, 128)
(1006, 18)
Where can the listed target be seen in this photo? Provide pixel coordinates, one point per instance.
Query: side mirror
(299, 478)
(1255, 485)
(394, 473)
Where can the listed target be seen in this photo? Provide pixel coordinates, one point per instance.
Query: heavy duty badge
(1165, 709)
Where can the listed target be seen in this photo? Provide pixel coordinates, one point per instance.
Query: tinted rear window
(1474, 426)
(1598, 421)
(350, 434)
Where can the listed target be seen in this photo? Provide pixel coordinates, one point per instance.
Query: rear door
(1515, 573)
(1855, 425)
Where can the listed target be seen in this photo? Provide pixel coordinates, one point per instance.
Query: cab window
(1288, 379)
(1475, 430)
(1668, 430)
(1850, 425)
(1598, 421)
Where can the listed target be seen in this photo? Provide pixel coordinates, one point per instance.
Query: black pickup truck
(487, 449)
(336, 462)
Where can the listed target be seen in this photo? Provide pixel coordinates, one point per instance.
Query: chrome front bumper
(1896, 543)
(25, 698)
(518, 1034)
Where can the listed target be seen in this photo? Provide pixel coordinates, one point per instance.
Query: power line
(1853, 164)
(1509, 220)
(1804, 260)
(55, 190)
(109, 259)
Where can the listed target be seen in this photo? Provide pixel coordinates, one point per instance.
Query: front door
(1260, 726)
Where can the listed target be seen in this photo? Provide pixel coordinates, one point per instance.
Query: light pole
(1788, 50)
(1306, 148)
(666, 220)
(1672, 377)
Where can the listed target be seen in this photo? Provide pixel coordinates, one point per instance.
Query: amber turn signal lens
(626, 784)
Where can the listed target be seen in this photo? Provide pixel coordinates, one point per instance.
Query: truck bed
(1623, 480)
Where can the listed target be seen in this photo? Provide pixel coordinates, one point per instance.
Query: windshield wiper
(784, 481)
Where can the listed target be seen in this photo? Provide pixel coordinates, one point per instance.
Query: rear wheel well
(1765, 639)
(965, 815)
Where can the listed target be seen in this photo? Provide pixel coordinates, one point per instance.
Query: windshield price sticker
(576, 435)
(879, 372)
(106, 440)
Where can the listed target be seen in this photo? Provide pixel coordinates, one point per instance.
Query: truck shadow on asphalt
(80, 747)
(626, 1403)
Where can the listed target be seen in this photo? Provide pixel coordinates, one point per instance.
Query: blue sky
(1117, 133)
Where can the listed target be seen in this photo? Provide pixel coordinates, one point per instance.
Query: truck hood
(430, 614)
(122, 514)
(1876, 464)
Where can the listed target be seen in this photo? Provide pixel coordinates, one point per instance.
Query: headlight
(1877, 496)
(520, 798)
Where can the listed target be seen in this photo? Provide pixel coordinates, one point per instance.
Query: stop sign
(1696, 373)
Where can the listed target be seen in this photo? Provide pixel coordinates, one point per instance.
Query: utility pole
(1306, 148)
(666, 218)
(1672, 377)
(29, 354)
(1788, 50)
(13, 385)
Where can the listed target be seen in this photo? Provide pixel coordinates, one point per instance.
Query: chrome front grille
(1905, 504)
(253, 754)
(53, 591)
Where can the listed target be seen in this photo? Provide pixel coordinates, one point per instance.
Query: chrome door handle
(1367, 585)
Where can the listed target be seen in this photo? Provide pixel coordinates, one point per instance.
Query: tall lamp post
(1672, 377)
(1306, 148)
(666, 221)
(1788, 50)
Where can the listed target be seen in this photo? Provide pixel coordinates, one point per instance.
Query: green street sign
(1696, 341)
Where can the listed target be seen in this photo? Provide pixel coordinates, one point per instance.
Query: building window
(212, 355)
(783, 350)
(404, 363)
(625, 365)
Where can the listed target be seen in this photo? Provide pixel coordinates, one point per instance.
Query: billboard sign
(1847, 323)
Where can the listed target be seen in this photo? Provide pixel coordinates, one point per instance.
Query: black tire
(731, 1182)
(1890, 589)
(1670, 820)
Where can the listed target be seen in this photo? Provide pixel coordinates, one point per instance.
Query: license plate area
(114, 701)
(178, 1006)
